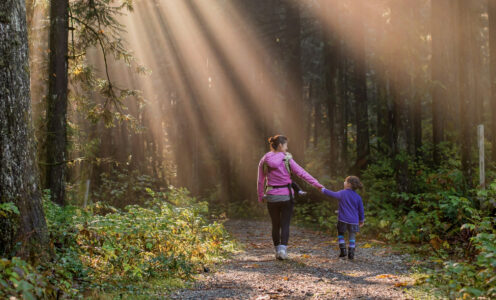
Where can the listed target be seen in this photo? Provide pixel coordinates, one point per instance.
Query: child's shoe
(351, 253)
(343, 251)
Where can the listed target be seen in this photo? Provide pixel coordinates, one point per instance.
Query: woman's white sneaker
(283, 252)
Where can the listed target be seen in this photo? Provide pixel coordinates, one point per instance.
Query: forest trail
(313, 271)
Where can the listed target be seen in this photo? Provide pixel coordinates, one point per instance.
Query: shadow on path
(313, 271)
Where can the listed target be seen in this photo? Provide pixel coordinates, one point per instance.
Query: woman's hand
(360, 224)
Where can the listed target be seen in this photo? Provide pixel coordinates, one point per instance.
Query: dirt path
(313, 271)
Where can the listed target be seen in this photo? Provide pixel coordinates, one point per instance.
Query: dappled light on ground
(313, 271)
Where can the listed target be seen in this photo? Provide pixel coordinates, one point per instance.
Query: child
(350, 213)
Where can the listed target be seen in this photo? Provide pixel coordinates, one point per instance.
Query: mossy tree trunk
(18, 169)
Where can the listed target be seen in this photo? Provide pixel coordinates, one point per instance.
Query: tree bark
(343, 108)
(294, 93)
(331, 46)
(56, 114)
(360, 90)
(464, 86)
(18, 168)
(383, 121)
(399, 109)
(492, 49)
(440, 42)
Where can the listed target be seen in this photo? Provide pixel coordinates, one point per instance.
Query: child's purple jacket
(279, 175)
(350, 205)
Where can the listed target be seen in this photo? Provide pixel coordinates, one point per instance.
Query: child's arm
(261, 180)
(361, 215)
(330, 193)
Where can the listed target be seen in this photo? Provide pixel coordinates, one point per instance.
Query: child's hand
(323, 189)
(360, 224)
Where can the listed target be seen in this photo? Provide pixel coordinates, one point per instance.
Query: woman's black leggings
(280, 214)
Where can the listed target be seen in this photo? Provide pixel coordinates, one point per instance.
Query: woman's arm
(330, 193)
(261, 180)
(300, 172)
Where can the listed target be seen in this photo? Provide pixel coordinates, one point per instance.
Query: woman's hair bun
(276, 140)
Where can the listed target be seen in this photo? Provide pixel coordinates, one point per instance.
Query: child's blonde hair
(355, 182)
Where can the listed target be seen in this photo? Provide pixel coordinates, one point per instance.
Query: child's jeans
(352, 229)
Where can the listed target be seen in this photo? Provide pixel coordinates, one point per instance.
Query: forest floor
(313, 271)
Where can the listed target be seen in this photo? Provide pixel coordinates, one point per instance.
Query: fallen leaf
(305, 256)
(367, 245)
(285, 278)
(436, 242)
(385, 276)
(400, 284)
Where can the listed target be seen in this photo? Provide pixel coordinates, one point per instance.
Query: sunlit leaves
(96, 24)
(161, 240)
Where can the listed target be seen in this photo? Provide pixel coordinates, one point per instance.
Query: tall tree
(56, 114)
(331, 51)
(18, 170)
(360, 89)
(492, 49)
(399, 85)
(439, 17)
(294, 93)
(464, 12)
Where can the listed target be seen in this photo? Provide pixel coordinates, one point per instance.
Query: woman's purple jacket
(279, 175)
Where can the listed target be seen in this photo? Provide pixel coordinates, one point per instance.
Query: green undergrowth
(101, 252)
(447, 228)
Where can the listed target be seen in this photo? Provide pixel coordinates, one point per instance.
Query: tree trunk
(478, 72)
(317, 121)
(383, 122)
(440, 42)
(492, 49)
(294, 93)
(18, 170)
(56, 114)
(331, 46)
(399, 108)
(464, 80)
(417, 117)
(360, 85)
(344, 105)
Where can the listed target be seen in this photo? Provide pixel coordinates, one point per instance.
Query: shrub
(471, 278)
(102, 247)
(18, 279)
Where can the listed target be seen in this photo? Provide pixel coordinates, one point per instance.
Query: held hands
(360, 224)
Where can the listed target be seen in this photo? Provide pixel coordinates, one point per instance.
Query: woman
(274, 185)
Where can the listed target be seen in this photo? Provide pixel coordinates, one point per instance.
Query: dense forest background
(134, 96)
(190, 100)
